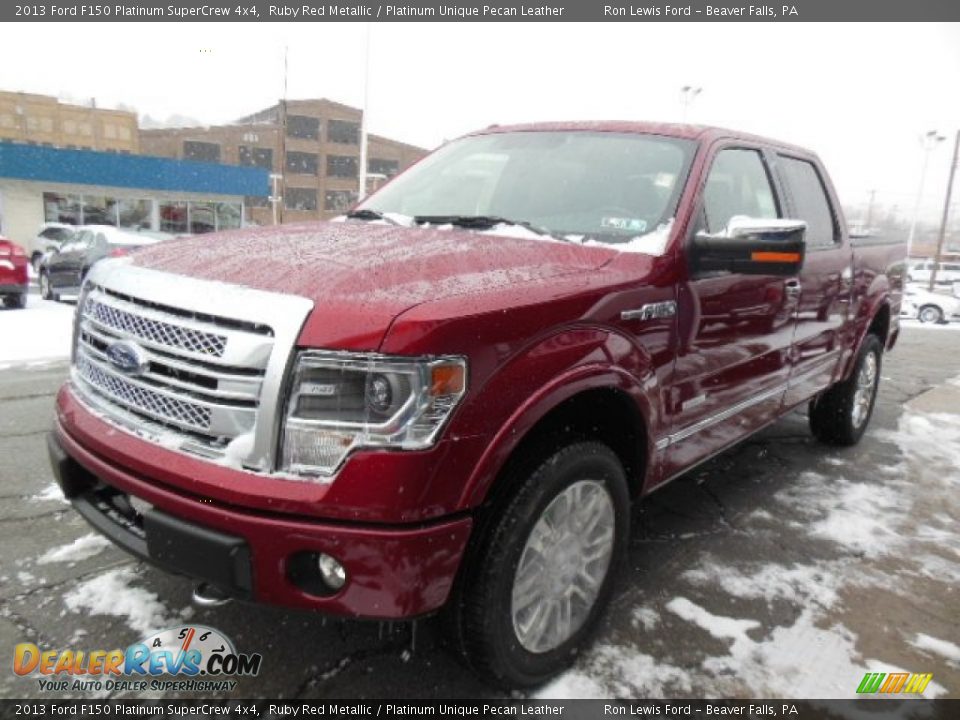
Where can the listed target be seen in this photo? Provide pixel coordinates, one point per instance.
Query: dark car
(63, 270)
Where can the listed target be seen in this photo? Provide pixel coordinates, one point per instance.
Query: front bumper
(393, 571)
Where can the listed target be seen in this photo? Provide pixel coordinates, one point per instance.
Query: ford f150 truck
(450, 398)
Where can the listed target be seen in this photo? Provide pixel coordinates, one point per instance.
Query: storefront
(82, 187)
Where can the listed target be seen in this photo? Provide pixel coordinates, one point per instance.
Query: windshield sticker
(628, 224)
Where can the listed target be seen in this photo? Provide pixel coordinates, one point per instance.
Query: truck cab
(449, 399)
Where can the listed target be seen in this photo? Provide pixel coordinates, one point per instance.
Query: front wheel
(545, 568)
(841, 414)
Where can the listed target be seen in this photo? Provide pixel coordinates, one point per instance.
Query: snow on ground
(943, 648)
(862, 527)
(51, 493)
(40, 332)
(82, 548)
(113, 594)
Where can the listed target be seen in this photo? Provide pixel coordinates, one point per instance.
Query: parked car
(62, 270)
(14, 281)
(928, 307)
(449, 401)
(49, 239)
(948, 272)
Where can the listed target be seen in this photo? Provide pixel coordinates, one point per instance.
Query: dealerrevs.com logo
(189, 657)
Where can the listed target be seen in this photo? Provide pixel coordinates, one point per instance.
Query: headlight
(340, 402)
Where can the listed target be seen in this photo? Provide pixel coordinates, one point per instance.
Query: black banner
(872, 709)
(491, 11)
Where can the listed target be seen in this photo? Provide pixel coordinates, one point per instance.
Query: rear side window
(810, 201)
(737, 185)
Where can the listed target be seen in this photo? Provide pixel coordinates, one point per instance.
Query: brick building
(314, 145)
(44, 120)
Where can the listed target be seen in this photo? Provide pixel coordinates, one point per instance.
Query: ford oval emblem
(127, 357)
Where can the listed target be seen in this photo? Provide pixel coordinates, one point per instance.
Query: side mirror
(752, 246)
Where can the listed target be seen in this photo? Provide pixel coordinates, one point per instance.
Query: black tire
(930, 314)
(16, 302)
(836, 417)
(480, 616)
(46, 289)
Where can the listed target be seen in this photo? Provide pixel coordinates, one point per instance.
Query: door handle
(792, 288)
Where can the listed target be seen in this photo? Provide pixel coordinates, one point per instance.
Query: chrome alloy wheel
(563, 566)
(866, 387)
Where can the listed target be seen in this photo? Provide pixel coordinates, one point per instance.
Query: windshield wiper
(365, 214)
(482, 222)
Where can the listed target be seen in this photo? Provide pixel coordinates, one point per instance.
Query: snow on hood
(363, 275)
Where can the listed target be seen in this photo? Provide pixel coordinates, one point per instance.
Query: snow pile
(51, 493)
(816, 583)
(652, 243)
(41, 331)
(80, 549)
(717, 625)
(944, 648)
(112, 594)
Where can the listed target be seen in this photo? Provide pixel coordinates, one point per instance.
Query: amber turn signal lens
(447, 379)
(775, 257)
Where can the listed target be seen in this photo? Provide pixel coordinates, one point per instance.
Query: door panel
(826, 282)
(734, 331)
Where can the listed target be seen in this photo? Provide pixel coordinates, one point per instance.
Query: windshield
(609, 187)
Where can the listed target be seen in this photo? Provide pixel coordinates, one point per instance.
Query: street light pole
(928, 141)
(946, 211)
(688, 93)
(362, 190)
(275, 197)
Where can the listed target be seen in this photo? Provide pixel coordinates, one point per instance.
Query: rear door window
(810, 201)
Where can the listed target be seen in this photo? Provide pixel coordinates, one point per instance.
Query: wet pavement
(782, 568)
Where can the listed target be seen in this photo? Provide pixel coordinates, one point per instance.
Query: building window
(205, 151)
(300, 199)
(228, 215)
(341, 166)
(342, 131)
(251, 138)
(203, 217)
(380, 166)
(62, 208)
(339, 201)
(302, 163)
(136, 214)
(173, 217)
(303, 127)
(7, 120)
(98, 210)
(256, 157)
(257, 201)
(40, 124)
(123, 132)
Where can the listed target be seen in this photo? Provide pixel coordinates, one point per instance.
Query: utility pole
(946, 211)
(928, 141)
(869, 221)
(275, 197)
(362, 189)
(278, 205)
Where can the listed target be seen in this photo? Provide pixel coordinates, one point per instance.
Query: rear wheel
(930, 314)
(17, 302)
(840, 415)
(46, 288)
(544, 570)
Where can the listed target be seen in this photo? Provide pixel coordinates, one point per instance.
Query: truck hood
(361, 276)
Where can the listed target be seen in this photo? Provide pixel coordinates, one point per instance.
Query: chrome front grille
(155, 331)
(210, 360)
(136, 397)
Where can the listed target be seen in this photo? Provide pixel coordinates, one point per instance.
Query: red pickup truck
(450, 398)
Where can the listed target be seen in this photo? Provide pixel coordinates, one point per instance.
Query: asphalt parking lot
(780, 569)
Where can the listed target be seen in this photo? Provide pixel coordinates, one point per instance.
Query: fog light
(332, 572)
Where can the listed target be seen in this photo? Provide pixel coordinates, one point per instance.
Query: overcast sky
(858, 94)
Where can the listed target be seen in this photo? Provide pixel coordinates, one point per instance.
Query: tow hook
(208, 595)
